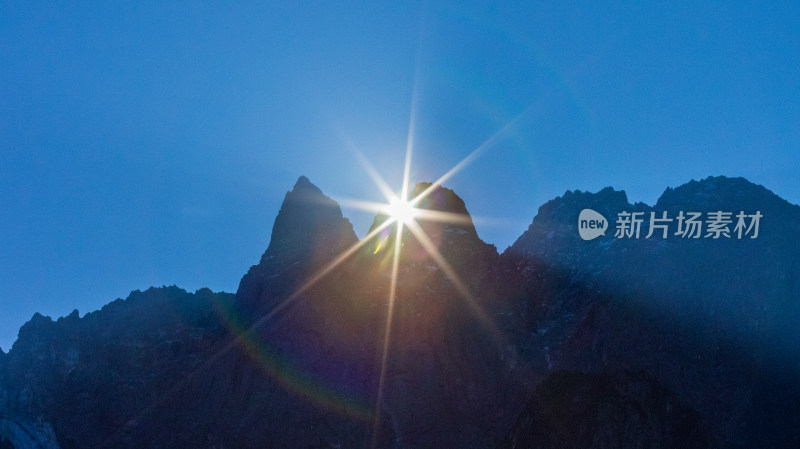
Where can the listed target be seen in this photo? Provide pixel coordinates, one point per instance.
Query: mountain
(308, 232)
(580, 410)
(558, 342)
(91, 381)
(713, 320)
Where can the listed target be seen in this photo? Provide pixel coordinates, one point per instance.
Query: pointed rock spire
(554, 228)
(308, 232)
(447, 227)
(309, 224)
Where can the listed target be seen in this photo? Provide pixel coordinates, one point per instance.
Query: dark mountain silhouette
(580, 410)
(308, 232)
(712, 320)
(556, 343)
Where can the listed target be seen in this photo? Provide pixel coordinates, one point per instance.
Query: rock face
(711, 319)
(556, 343)
(308, 232)
(450, 370)
(26, 435)
(579, 410)
(93, 379)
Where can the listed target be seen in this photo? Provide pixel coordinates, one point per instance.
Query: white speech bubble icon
(591, 224)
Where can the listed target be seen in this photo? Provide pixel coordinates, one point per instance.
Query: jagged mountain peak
(572, 202)
(718, 192)
(37, 322)
(303, 184)
(453, 229)
(435, 198)
(555, 225)
(440, 199)
(308, 221)
(444, 219)
(308, 232)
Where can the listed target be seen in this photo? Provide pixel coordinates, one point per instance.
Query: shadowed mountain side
(159, 370)
(450, 377)
(308, 232)
(572, 410)
(90, 378)
(712, 320)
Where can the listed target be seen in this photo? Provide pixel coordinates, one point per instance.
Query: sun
(401, 211)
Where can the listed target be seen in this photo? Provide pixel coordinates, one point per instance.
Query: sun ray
(441, 216)
(455, 218)
(242, 336)
(377, 179)
(375, 176)
(475, 153)
(387, 329)
(407, 163)
(324, 271)
(412, 120)
(237, 340)
(370, 206)
(402, 200)
(471, 301)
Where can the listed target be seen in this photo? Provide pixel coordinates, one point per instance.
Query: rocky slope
(713, 320)
(580, 410)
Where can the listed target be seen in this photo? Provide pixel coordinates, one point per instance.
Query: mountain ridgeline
(652, 340)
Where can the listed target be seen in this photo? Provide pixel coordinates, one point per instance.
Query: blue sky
(152, 143)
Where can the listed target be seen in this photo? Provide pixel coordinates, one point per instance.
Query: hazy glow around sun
(400, 210)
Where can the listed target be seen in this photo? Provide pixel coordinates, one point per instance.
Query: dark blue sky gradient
(151, 143)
